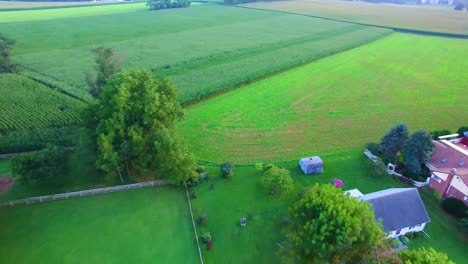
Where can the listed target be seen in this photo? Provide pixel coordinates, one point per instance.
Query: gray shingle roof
(398, 208)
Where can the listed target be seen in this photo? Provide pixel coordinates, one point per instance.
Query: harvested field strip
(440, 20)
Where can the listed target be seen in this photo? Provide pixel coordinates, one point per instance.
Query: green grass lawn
(140, 226)
(205, 48)
(335, 104)
(243, 195)
(443, 20)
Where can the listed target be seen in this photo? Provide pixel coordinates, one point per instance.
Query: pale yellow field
(431, 19)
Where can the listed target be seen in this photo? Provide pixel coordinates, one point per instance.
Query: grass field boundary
(194, 225)
(65, 6)
(401, 30)
(278, 72)
(63, 196)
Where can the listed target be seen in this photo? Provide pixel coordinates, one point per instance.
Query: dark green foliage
(417, 151)
(461, 130)
(328, 226)
(164, 4)
(6, 46)
(392, 142)
(278, 180)
(436, 134)
(206, 237)
(200, 178)
(404, 240)
(464, 224)
(455, 207)
(423, 256)
(227, 169)
(203, 219)
(134, 121)
(107, 65)
(374, 148)
(41, 167)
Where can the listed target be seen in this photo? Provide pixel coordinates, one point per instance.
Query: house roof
(312, 160)
(398, 208)
(446, 156)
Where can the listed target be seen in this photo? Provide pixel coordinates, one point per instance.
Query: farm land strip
(18, 6)
(32, 112)
(58, 13)
(205, 49)
(335, 104)
(440, 20)
(125, 227)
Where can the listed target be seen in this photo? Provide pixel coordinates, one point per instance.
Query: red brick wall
(452, 192)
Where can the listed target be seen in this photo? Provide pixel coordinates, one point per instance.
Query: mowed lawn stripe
(140, 226)
(335, 104)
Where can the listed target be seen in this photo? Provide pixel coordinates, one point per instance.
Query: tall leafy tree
(423, 256)
(392, 142)
(135, 121)
(278, 180)
(330, 227)
(108, 64)
(6, 46)
(417, 150)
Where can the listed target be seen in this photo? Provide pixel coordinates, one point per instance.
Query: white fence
(391, 171)
(63, 196)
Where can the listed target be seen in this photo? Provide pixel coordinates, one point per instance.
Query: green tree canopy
(423, 256)
(108, 64)
(392, 142)
(278, 180)
(417, 150)
(135, 121)
(328, 226)
(6, 46)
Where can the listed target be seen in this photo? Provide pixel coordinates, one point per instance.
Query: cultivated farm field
(205, 49)
(145, 225)
(32, 113)
(15, 5)
(337, 103)
(442, 20)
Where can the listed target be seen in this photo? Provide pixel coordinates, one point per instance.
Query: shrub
(206, 237)
(259, 167)
(193, 194)
(464, 224)
(374, 148)
(285, 222)
(268, 166)
(200, 178)
(437, 195)
(455, 207)
(41, 167)
(436, 134)
(404, 240)
(203, 219)
(461, 130)
(278, 180)
(227, 169)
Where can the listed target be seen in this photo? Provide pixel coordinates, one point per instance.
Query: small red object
(209, 245)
